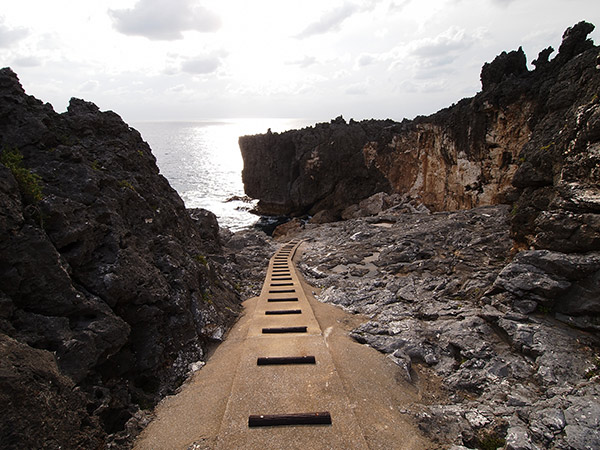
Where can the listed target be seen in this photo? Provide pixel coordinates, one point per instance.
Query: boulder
(288, 229)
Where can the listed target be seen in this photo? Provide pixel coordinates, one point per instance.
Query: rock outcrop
(109, 290)
(530, 138)
(558, 177)
(317, 168)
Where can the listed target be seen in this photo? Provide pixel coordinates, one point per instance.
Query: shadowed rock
(102, 271)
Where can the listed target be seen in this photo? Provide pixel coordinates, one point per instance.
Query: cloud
(330, 21)
(422, 87)
(305, 62)
(430, 55)
(89, 86)
(396, 6)
(27, 61)
(365, 60)
(450, 41)
(9, 36)
(164, 19)
(503, 2)
(356, 89)
(201, 64)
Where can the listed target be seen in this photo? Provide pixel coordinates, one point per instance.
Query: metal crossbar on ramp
(286, 392)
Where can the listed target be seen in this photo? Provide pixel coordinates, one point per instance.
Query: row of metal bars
(282, 287)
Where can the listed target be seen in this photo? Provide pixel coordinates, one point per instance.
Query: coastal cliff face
(530, 138)
(460, 158)
(109, 290)
(317, 168)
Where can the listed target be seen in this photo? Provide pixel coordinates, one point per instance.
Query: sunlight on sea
(202, 161)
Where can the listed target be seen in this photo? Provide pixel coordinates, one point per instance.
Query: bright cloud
(164, 19)
(305, 62)
(201, 64)
(193, 59)
(452, 40)
(10, 35)
(330, 21)
(27, 61)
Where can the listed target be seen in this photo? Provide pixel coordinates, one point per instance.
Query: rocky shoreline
(450, 305)
(111, 292)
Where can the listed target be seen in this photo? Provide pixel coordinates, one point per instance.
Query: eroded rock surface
(109, 290)
(512, 340)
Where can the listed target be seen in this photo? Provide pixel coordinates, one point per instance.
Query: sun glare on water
(202, 161)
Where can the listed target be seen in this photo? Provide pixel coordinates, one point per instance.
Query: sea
(203, 162)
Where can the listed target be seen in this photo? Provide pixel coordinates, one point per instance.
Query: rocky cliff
(109, 290)
(529, 138)
(317, 168)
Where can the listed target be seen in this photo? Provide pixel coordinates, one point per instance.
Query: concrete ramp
(287, 389)
(275, 383)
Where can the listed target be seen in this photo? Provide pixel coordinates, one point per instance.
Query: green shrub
(207, 298)
(30, 184)
(594, 370)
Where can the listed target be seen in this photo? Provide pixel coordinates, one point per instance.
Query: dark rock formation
(513, 341)
(530, 138)
(559, 167)
(41, 408)
(504, 66)
(108, 289)
(317, 168)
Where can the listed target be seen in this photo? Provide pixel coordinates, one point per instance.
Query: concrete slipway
(362, 391)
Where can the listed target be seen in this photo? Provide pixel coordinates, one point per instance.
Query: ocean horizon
(203, 163)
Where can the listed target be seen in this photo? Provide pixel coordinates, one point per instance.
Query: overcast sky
(315, 59)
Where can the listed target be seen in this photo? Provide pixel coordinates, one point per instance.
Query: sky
(312, 59)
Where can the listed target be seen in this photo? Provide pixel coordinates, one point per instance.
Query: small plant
(206, 297)
(545, 309)
(30, 184)
(126, 184)
(96, 165)
(67, 140)
(491, 441)
(547, 147)
(201, 259)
